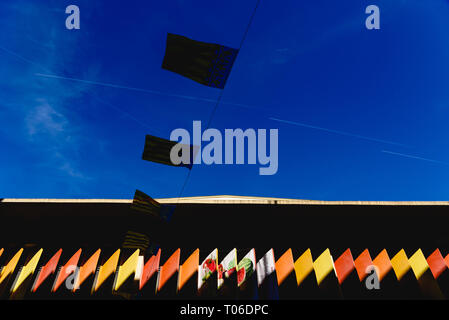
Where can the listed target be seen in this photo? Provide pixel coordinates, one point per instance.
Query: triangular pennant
(87, 269)
(227, 266)
(170, 267)
(418, 263)
(10, 266)
(106, 270)
(323, 266)
(246, 267)
(400, 264)
(303, 266)
(150, 268)
(70, 267)
(47, 270)
(344, 265)
(284, 266)
(436, 263)
(207, 268)
(27, 270)
(188, 269)
(128, 268)
(265, 267)
(383, 264)
(363, 264)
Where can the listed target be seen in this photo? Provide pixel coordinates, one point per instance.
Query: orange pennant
(189, 268)
(87, 269)
(47, 270)
(169, 269)
(436, 263)
(383, 264)
(150, 269)
(284, 266)
(66, 270)
(362, 264)
(106, 270)
(344, 266)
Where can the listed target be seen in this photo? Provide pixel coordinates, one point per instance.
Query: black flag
(158, 150)
(207, 63)
(145, 203)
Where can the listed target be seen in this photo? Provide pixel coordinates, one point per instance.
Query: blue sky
(362, 115)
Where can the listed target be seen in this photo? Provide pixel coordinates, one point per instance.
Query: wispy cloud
(43, 118)
(299, 124)
(414, 157)
(49, 130)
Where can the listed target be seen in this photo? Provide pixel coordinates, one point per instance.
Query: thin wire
(220, 96)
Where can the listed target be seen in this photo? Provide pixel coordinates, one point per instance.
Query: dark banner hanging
(207, 63)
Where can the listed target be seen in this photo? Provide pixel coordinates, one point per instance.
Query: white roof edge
(228, 199)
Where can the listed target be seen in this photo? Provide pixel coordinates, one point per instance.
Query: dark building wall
(225, 226)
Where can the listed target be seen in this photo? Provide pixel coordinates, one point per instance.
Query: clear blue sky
(368, 110)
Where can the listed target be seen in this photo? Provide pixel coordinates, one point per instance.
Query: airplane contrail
(414, 157)
(337, 132)
(14, 54)
(117, 86)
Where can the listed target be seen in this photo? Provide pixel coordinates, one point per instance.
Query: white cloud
(44, 119)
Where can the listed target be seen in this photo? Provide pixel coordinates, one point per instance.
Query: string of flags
(206, 63)
(126, 273)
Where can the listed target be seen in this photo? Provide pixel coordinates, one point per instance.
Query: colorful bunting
(417, 275)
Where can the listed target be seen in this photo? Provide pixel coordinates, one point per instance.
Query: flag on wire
(207, 63)
(168, 152)
(146, 204)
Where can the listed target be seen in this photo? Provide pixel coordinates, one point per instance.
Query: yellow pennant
(27, 270)
(400, 264)
(418, 263)
(9, 268)
(107, 269)
(127, 269)
(303, 266)
(323, 265)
